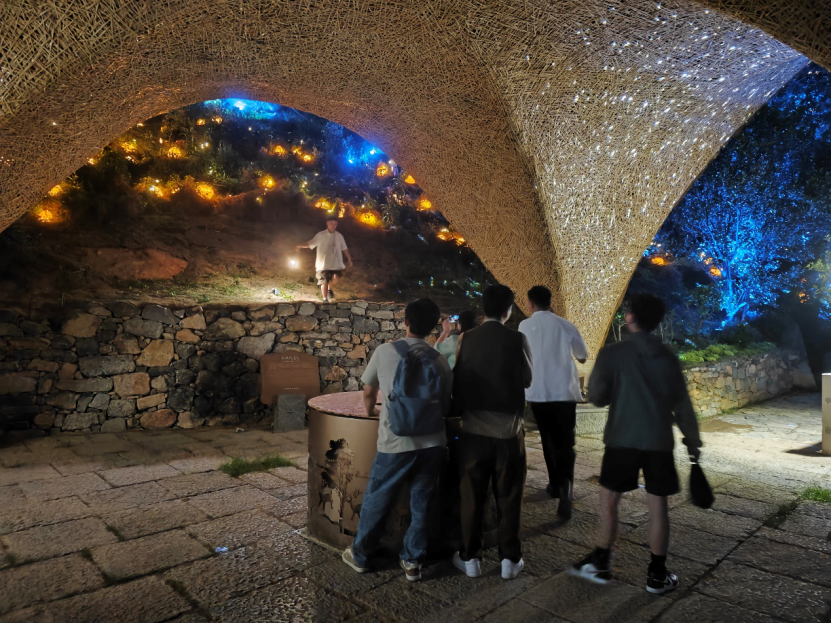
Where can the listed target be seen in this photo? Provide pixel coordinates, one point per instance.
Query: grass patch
(781, 514)
(237, 466)
(816, 494)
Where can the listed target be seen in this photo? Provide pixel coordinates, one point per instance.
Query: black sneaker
(331, 294)
(592, 570)
(658, 585)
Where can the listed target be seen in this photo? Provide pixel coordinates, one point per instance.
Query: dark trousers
(556, 422)
(500, 463)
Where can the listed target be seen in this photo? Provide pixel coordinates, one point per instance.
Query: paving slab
(631, 561)
(107, 446)
(771, 594)
(58, 539)
(689, 543)
(122, 476)
(292, 474)
(294, 599)
(794, 538)
(21, 515)
(752, 509)
(714, 522)
(146, 600)
(404, 601)
(197, 464)
(122, 498)
(194, 484)
(792, 561)
(137, 522)
(15, 475)
(235, 531)
(234, 500)
(700, 609)
(148, 554)
(47, 580)
(213, 581)
(809, 525)
(63, 487)
(518, 611)
(581, 601)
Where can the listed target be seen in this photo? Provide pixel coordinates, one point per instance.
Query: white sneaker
(349, 558)
(471, 568)
(411, 569)
(511, 569)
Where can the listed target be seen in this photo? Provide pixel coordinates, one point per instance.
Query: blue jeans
(390, 472)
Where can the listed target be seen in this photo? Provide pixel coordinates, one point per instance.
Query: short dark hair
(467, 320)
(648, 311)
(422, 316)
(540, 296)
(497, 300)
(332, 217)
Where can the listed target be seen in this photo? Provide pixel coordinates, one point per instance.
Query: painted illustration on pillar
(336, 501)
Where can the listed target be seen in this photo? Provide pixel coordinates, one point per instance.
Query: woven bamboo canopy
(556, 135)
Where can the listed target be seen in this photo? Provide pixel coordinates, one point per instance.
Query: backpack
(416, 406)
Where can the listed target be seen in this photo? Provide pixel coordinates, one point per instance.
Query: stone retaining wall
(115, 366)
(732, 383)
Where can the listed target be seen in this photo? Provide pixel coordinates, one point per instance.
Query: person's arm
(311, 244)
(370, 399)
(578, 347)
(527, 363)
(601, 381)
(685, 413)
(446, 327)
(348, 257)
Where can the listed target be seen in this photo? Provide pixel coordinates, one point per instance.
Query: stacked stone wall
(729, 384)
(110, 367)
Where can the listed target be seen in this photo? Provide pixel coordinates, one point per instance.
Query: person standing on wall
(415, 381)
(555, 392)
(493, 368)
(331, 249)
(642, 382)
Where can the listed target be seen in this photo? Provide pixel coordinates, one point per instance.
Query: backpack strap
(401, 347)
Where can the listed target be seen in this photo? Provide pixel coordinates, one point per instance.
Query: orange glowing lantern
(267, 182)
(217, 120)
(91, 160)
(50, 211)
(658, 260)
(279, 150)
(175, 152)
(56, 190)
(372, 219)
(129, 146)
(308, 158)
(324, 204)
(383, 170)
(205, 190)
(410, 179)
(200, 122)
(425, 204)
(297, 150)
(715, 271)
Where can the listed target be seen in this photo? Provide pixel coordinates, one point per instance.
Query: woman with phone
(452, 328)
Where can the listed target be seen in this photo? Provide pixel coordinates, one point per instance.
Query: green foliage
(816, 494)
(714, 352)
(237, 466)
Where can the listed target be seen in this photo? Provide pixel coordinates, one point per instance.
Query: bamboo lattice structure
(556, 135)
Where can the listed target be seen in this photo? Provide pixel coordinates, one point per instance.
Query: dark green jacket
(641, 381)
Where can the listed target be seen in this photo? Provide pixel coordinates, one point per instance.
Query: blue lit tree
(760, 213)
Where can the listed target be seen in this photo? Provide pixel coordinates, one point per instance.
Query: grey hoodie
(641, 380)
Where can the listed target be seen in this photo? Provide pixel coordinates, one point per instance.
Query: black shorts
(621, 466)
(325, 276)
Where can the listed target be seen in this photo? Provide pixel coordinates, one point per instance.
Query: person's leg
(475, 462)
(661, 480)
(564, 420)
(609, 501)
(658, 524)
(425, 480)
(543, 416)
(334, 281)
(324, 289)
(508, 485)
(388, 473)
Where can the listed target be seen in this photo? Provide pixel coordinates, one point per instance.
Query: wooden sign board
(289, 373)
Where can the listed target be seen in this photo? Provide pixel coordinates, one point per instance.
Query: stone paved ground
(141, 526)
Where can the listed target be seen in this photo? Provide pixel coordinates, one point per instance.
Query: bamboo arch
(556, 135)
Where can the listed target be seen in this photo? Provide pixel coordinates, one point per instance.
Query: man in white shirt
(555, 390)
(330, 247)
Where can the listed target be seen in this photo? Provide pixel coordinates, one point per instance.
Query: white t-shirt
(330, 248)
(380, 372)
(555, 344)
